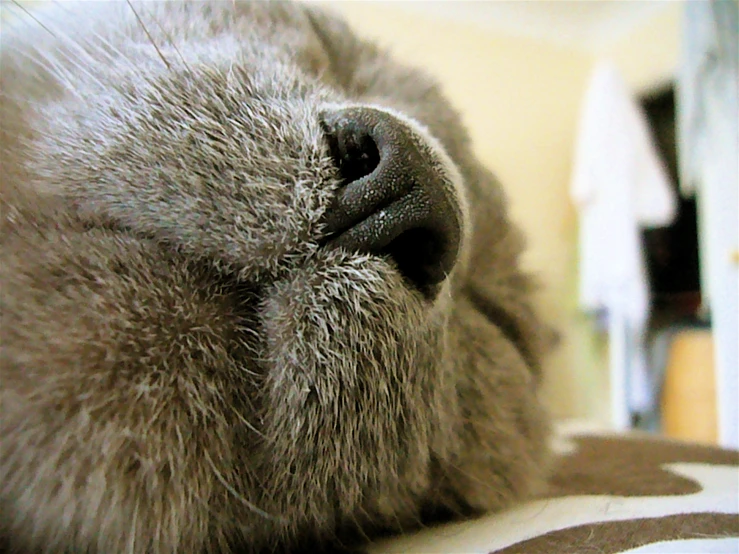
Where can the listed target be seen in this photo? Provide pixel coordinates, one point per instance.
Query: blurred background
(535, 82)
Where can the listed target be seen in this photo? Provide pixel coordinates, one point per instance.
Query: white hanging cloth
(619, 185)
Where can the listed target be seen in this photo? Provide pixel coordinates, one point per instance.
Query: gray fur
(183, 366)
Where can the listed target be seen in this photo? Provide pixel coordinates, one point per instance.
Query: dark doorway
(671, 252)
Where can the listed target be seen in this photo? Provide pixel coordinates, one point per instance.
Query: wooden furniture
(689, 393)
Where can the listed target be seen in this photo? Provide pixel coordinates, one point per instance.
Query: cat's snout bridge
(397, 198)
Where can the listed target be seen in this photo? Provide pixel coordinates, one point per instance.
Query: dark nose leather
(396, 199)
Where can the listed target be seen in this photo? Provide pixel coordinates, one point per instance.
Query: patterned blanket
(610, 494)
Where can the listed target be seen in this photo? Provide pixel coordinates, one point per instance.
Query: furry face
(256, 288)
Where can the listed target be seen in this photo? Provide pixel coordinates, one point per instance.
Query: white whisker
(55, 59)
(66, 56)
(53, 67)
(29, 14)
(99, 40)
(146, 31)
(169, 38)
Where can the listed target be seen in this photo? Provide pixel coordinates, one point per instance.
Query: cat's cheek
(351, 358)
(327, 311)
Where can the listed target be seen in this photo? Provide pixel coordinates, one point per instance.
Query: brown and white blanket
(610, 494)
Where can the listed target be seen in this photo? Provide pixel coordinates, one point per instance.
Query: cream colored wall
(520, 99)
(648, 55)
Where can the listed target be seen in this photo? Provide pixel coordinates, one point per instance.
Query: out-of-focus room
(613, 128)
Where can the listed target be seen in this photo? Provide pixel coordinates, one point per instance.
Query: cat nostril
(356, 154)
(413, 250)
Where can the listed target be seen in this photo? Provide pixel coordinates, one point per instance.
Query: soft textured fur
(185, 366)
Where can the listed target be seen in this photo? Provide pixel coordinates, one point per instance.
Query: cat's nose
(398, 198)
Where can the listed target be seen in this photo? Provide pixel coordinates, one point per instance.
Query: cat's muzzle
(397, 198)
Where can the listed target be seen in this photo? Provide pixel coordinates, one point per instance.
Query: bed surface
(610, 494)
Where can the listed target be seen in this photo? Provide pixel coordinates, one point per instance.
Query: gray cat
(256, 289)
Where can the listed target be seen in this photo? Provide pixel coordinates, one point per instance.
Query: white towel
(619, 185)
